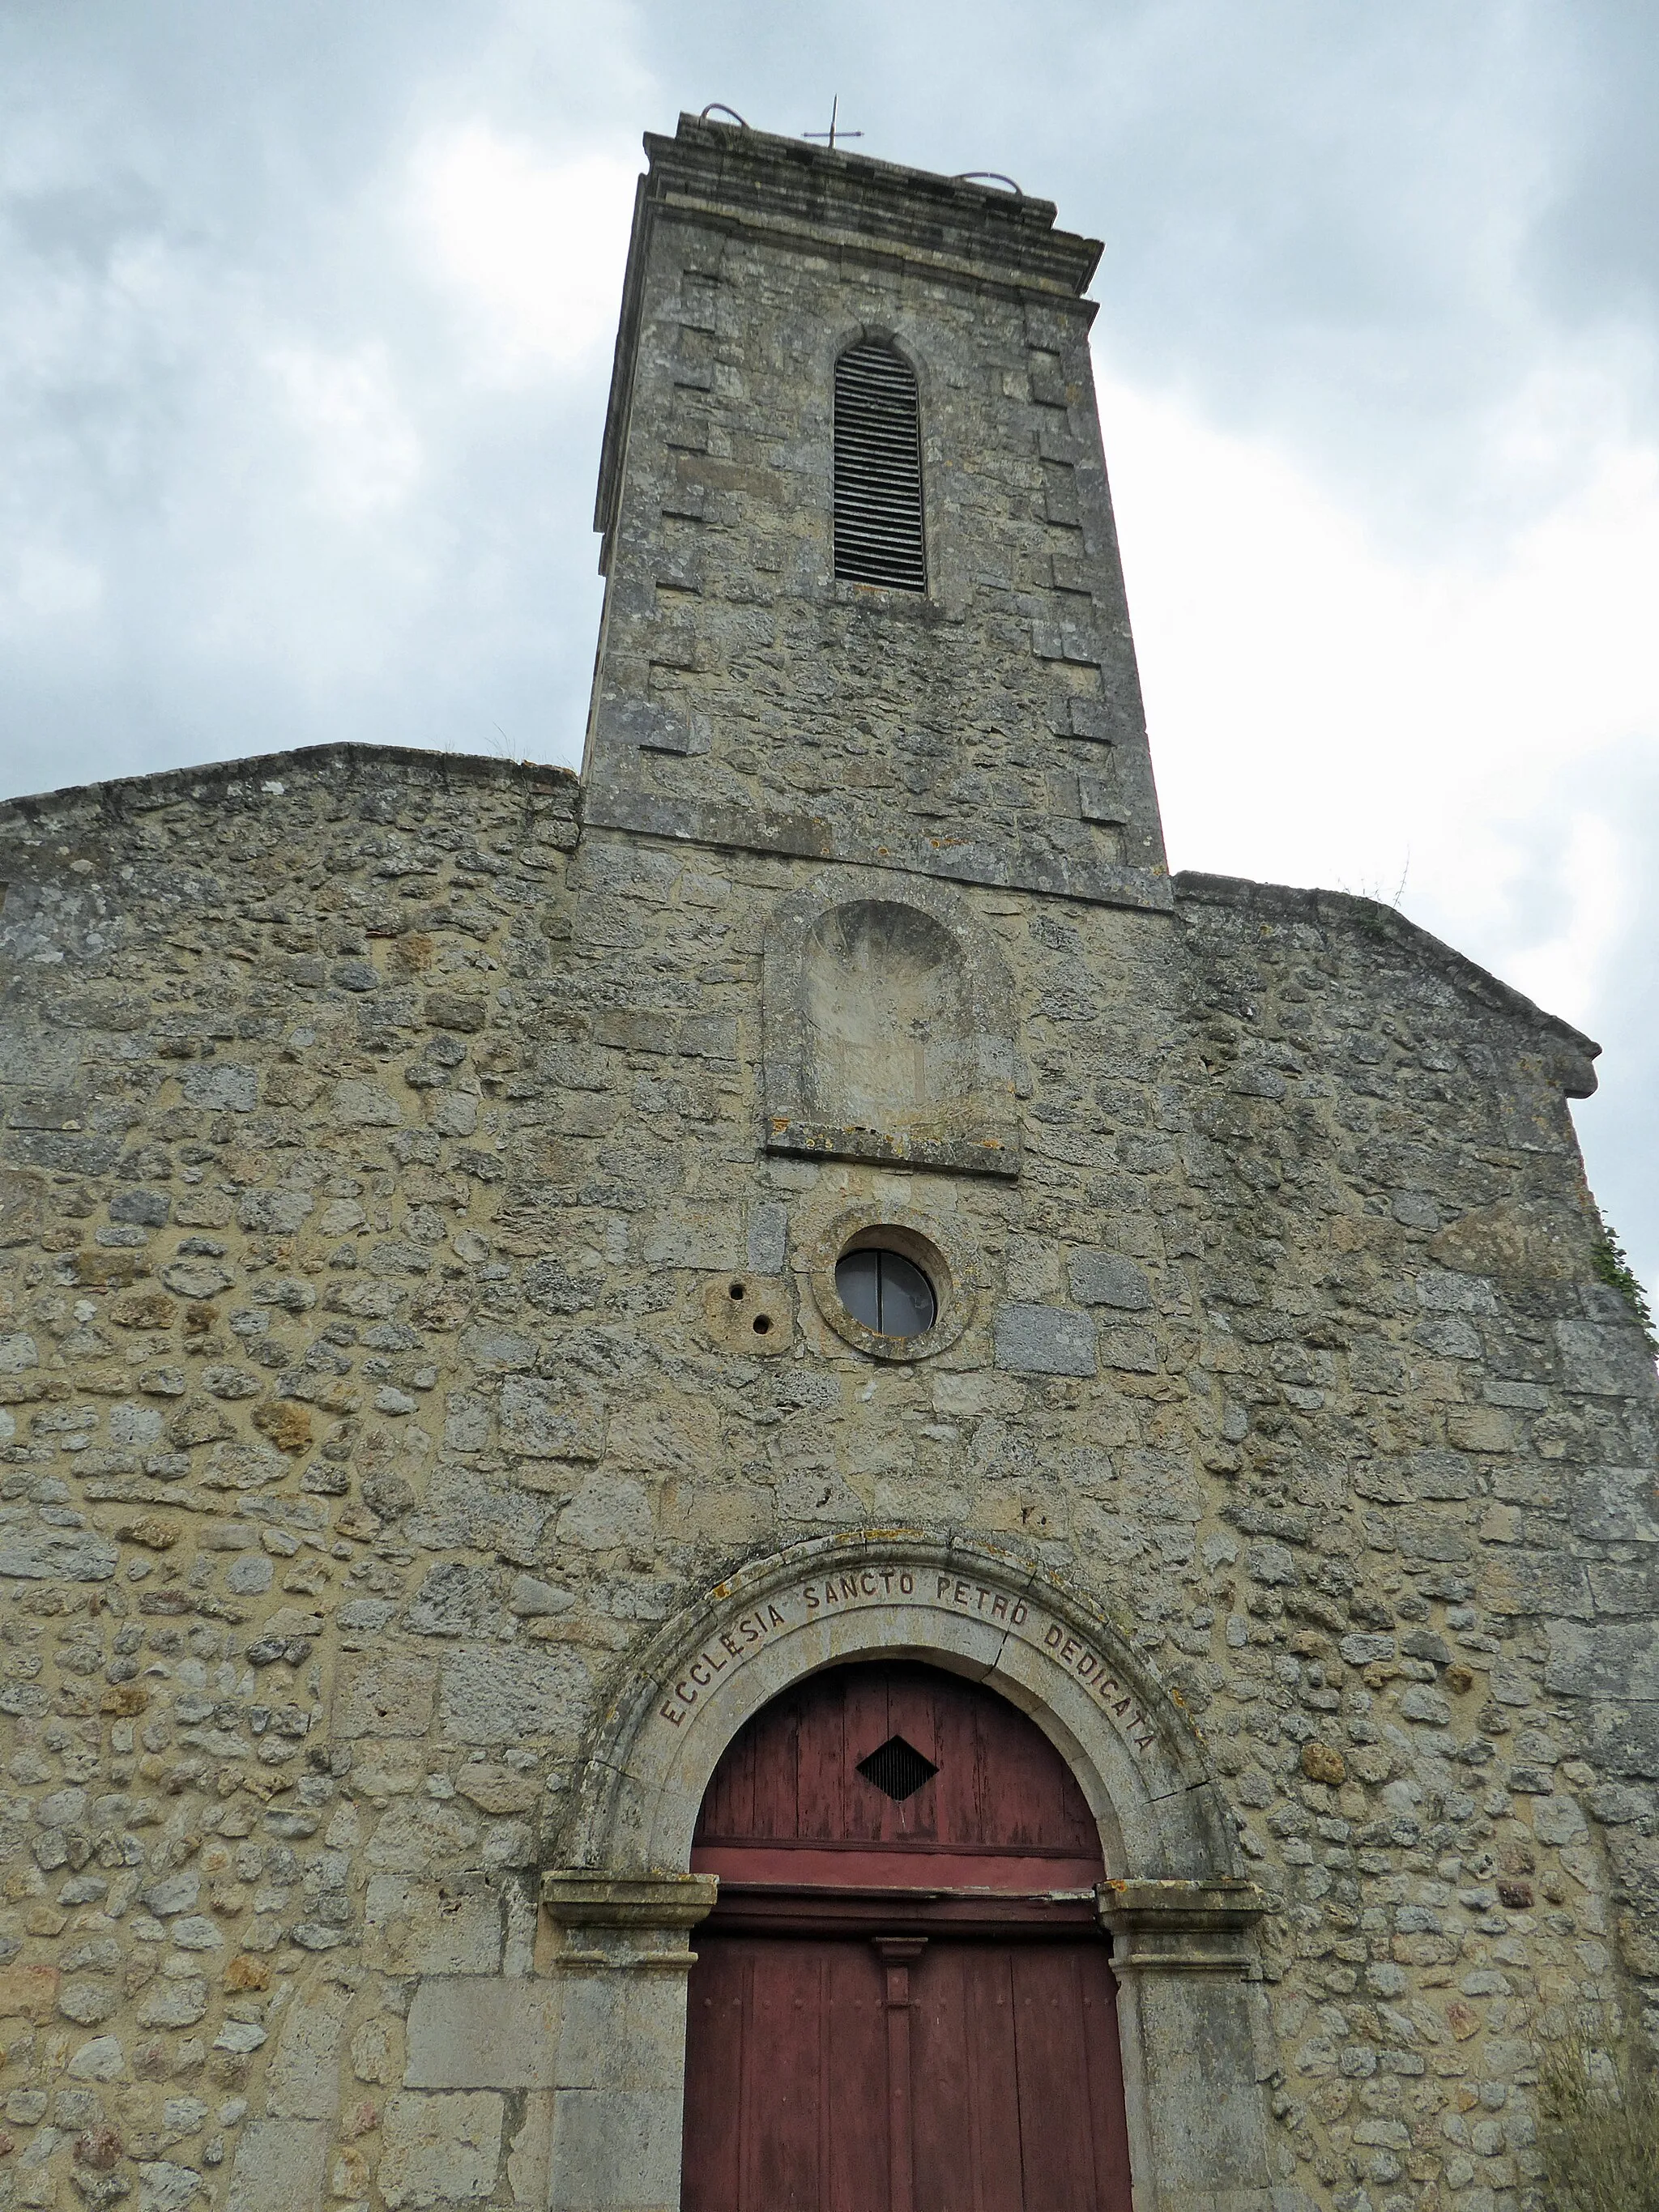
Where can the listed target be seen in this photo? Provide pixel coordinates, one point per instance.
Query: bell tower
(863, 596)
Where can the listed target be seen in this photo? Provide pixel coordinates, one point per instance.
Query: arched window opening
(879, 527)
(885, 1290)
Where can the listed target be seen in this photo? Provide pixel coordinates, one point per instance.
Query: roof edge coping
(1295, 903)
(119, 794)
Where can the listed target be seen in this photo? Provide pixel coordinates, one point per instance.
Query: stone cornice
(981, 229)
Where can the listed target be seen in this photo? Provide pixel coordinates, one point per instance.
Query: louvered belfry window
(878, 535)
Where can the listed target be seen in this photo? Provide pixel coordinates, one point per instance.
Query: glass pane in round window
(886, 1291)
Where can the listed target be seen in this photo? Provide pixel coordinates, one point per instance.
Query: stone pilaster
(1186, 1994)
(620, 1950)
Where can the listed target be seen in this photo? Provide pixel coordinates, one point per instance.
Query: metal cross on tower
(833, 132)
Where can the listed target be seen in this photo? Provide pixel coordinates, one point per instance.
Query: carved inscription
(730, 1649)
(859, 1587)
(1091, 1670)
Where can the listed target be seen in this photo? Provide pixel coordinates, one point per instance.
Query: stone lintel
(1180, 1927)
(997, 1155)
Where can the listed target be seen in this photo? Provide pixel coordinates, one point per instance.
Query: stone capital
(583, 1897)
(1180, 1927)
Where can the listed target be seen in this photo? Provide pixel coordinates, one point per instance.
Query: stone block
(623, 2031)
(1444, 1292)
(750, 1314)
(766, 1236)
(21, 1208)
(436, 1928)
(478, 2031)
(171, 2003)
(1443, 1476)
(1422, 1534)
(1450, 1336)
(616, 2150)
(494, 1696)
(28, 1990)
(1162, 1485)
(1480, 1429)
(174, 1893)
(1617, 1504)
(1604, 1359)
(223, 1084)
(441, 2149)
(192, 1277)
(1207, 2122)
(304, 2082)
(1045, 1340)
(1099, 1278)
(529, 2153)
(1271, 1565)
(384, 1693)
(1130, 1351)
(457, 1010)
(1523, 1397)
(496, 1351)
(419, 1836)
(1362, 1648)
(164, 2185)
(1613, 1659)
(609, 1513)
(1558, 1821)
(274, 1213)
(1626, 1590)
(1529, 1583)
(78, 1555)
(541, 1420)
(455, 1599)
(101, 2060)
(148, 1209)
(278, 2166)
(363, 1105)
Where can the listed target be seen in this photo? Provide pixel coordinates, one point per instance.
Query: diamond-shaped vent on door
(898, 1768)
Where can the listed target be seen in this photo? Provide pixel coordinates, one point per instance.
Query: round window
(887, 1292)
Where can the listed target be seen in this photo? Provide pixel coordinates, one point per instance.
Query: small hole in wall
(737, 1290)
(763, 1324)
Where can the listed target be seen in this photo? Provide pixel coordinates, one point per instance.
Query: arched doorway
(902, 2000)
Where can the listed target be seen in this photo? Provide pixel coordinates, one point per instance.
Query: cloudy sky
(305, 312)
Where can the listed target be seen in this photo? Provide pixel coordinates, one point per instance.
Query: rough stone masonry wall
(368, 1145)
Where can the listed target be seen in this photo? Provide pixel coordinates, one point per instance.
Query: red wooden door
(903, 2002)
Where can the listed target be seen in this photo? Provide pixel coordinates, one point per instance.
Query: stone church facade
(436, 1424)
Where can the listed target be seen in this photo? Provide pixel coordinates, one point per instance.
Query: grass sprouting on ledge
(1613, 1266)
(1598, 2134)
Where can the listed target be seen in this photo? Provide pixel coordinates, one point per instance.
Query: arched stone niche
(620, 1910)
(889, 1018)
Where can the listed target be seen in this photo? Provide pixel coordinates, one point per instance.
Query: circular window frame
(940, 1256)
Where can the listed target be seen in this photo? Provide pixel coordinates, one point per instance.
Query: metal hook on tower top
(987, 177)
(719, 108)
